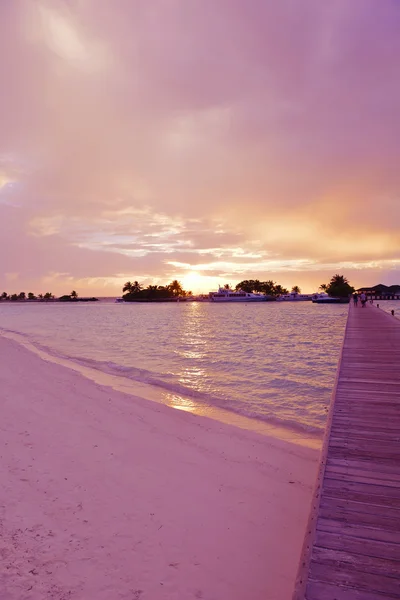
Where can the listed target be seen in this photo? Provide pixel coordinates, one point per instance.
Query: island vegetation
(136, 292)
(269, 288)
(338, 287)
(46, 297)
(73, 297)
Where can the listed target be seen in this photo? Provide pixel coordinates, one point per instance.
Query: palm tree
(31, 296)
(176, 288)
(4, 296)
(323, 287)
(339, 286)
(40, 296)
(268, 287)
(73, 294)
(296, 289)
(22, 295)
(151, 291)
(246, 286)
(338, 280)
(48, 296)
(132, 288)
(279, 290)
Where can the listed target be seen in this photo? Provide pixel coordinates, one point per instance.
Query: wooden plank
(344, 517)
(360, 421)
(365, 405)
(361, 444)
(361, 454)
(345, 575)
(354, 476)
(358, 562)
(338, 504)
(349, 470)
(391, 469)
(368, 431)
(317, 590)
(348, 543)
(362, 497)
(362, 532)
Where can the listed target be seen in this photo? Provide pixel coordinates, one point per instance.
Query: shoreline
(173, 400)
(113, 496)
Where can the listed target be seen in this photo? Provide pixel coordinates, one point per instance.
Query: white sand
(108, 497)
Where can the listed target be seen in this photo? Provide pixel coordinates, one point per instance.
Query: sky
(207, 141)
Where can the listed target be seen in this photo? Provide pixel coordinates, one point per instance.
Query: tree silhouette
(245, 286)
(296, 289)
(270, 288)
(339, 287)
(176, 288)
(73, 294)
(279, 290)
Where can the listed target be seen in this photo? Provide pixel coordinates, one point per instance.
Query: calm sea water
(270, 361)
(388, 305)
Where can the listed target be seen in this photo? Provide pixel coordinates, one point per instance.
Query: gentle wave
(158, 380)
(275, 364)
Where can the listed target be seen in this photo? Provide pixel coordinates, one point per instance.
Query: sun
(197, 283)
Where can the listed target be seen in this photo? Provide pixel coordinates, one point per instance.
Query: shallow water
(389, 305)
(270, 361)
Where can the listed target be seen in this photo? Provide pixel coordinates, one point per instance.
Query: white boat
(294, 297)
(325, 299)
(224, 295)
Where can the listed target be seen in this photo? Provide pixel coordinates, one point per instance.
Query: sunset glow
(207, 141)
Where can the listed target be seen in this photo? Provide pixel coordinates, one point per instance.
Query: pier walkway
(352, 546)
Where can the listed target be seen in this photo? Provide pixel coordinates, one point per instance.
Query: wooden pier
(352, 545)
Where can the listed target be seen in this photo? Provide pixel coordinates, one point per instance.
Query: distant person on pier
(355, 299)
(363, 299)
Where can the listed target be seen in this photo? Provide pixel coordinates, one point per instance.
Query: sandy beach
(106, 496)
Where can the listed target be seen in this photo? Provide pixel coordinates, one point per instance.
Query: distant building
(381, 291)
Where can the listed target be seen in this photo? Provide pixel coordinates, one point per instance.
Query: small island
(47, 297)
(338, 289)
(174, 292)
(135, 292)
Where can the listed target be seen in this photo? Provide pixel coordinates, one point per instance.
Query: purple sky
(203, 140)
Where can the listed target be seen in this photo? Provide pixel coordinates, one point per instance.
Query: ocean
(273, 362)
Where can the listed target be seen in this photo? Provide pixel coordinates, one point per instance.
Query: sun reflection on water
(180, 403)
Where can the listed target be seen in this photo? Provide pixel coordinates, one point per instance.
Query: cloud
(141, 135)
